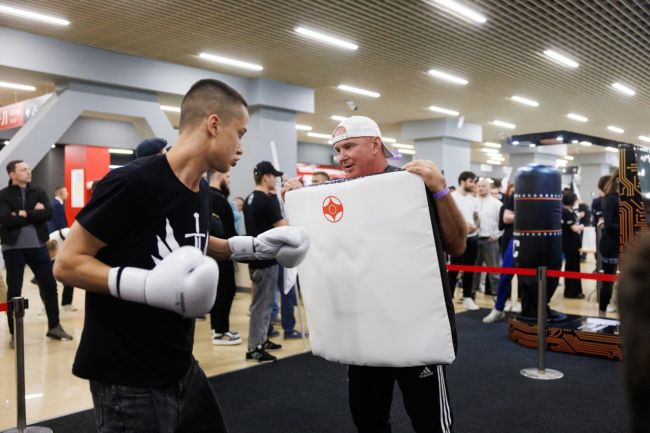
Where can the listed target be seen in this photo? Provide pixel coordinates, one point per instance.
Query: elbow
(61, 271)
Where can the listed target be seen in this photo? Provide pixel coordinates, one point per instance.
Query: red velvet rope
(530, 271)
(3, 307)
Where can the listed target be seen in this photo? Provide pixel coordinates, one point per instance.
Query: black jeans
(609, 267)
(424, 391)
(41, 265)
(572, 286)
(468, 258)
(220, 313)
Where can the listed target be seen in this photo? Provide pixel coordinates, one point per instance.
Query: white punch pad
(372, 280)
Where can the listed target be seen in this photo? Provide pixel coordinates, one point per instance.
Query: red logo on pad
(332, 209)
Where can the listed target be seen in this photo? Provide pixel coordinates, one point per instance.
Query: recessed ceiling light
(230, 62)
(515, 143)
(331, 40)
(561, 162)
(503, 124)
(644, 138)
(574, 141)
(489, 150)
(585, 143)
(611, 149)
(577, 117)
(170, 108)
(493, 162)
(525, 101)
(319, 135)
(406, 151)
(358, 91)
(615, 129)
(22, 13)
(490, 144)
(121, 151)
(388, 140)
(338, 118)
(17, 86)
(443, 110)
(569, 157)
(447, 77)
(403, 146)
(460, 10)
(532, 145)
(303, 127)
(623, 89)
(561, 59)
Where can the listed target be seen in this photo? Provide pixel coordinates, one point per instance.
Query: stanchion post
(541, 372)
(19, 304)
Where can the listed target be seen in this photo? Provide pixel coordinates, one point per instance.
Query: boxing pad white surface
(372, 282)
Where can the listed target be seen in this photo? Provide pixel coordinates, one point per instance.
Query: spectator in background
(466, 202)
(150, 146)
(571, 230)
(488, 234)
(24, 212)
(319, 177)
(597, 203)
(495, 190)
(609, 241)
(239, 215)
(60, 222)
(224, 228)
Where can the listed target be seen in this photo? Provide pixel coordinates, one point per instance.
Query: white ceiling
(399, 41)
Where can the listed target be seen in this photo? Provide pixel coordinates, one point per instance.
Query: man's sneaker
(517, 307)
(260, 355)
(494, 316)
(292, 335)
(58, 333)
(508, 306)
(470, 304)
(272, 332)
(225, 339)
(68, 307)
(269, 345)
(12, 345)
(611, 308)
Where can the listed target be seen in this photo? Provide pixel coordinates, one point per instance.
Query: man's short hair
(321, 173)
(568, 198)
(207, 97)
(603, 181)
(58, 188)
(466, 175)
(11, 167)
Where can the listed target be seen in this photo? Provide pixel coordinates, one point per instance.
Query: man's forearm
(218, 249)
(82, 271)
(452, 226)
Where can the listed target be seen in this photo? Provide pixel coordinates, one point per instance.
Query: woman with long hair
(609, 241)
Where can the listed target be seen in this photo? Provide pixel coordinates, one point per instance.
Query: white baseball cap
(359, 126)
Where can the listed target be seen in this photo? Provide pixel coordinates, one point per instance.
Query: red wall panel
(93, 160)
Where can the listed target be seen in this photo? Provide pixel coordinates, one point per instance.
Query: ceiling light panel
(525, 101)
(504, 124)
(325, 38)
(623, 89)
(615, 129)
(170, 108)
(319, 135)
(358, 91)
(577, 117)
(303, 127)
(35, 16)
(490, 144)
(338, 118)
(644, 138)
(443, 110)
(460, 9)
(447, 77)
(230, 62)
(561, 59)
(16, 86)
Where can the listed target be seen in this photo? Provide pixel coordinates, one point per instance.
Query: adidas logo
(426, 373)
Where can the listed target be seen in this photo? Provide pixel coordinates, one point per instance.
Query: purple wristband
(441, 194)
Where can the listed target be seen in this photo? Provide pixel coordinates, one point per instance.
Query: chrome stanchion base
(546, 374)
(31, 429)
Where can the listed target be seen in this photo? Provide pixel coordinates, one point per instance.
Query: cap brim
(387, 152)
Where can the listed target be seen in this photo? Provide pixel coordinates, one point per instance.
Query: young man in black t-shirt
(138, 248)
(261, 213)
(361, 151)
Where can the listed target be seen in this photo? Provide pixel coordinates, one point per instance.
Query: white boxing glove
(184, 282)
(59, 235)
(288, 245)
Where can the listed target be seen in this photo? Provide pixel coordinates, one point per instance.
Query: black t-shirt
(570, 239)
(222, 214)
(507, 228)
(261, 211)
(141, 212)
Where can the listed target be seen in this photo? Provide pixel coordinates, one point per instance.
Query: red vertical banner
(83, 165)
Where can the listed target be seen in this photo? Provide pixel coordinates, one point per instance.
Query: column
(592, 167)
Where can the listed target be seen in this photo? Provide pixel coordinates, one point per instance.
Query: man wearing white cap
(357, 141)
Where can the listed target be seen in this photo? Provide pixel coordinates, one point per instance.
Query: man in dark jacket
(24, 212)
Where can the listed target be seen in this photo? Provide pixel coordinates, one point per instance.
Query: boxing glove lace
(184, 282)
(288, 245)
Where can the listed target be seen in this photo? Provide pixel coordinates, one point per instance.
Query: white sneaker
(611, 308)
(225, 339)
(508, 306)
(68, 307)
(470, 304)
(494, 316)
(517, 308)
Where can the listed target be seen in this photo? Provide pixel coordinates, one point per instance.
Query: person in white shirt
(466, 202)
(488, 232)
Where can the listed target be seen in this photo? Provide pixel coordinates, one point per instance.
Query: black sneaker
(269, 345)
(272, 332)
(58, 333)
(260, 355)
